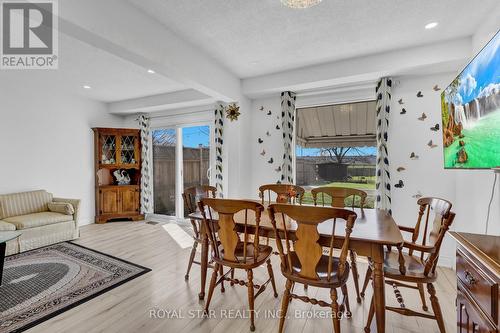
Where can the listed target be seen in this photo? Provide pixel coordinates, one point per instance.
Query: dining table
(373, 231)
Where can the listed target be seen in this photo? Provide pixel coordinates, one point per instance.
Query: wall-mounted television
(470, 108)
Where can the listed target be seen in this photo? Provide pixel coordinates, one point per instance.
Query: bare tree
(337, 154)
(164, 138)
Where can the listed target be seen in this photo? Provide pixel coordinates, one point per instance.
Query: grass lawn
(370, 200)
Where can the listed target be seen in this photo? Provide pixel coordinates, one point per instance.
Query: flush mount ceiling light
(86, 87)
(150, 71)
(431, 25)
(300, 3)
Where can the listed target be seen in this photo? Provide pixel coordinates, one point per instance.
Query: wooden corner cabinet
(117, 174)
(478, 279)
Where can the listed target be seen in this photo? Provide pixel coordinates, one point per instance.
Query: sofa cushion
(24, 203)
(62, 208)
(4, 226)
(38, 219)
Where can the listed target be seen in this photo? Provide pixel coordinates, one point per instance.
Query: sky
(482, 74)
(194, 136)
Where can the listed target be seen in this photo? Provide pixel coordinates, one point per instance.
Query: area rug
(42, 283)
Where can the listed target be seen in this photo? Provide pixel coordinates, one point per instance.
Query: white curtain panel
(146, 169)
(383, 92)
(287, 124)
(219, 144)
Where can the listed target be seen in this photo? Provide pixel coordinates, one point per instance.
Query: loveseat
(42, 219)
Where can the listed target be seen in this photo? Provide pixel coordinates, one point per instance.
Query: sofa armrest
(76, 205)
(4, 226)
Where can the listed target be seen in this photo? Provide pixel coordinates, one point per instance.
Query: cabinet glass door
(108, 149)
(127, 149)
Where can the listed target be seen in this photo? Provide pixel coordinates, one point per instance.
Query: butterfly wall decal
(263, 152)
(431, 144)
(261, 108)
(400, 184)
(400, 169)
(260, 140)
(422, 117)
(420, 95)
(268, 134)
(269, 113)
(278, 127)
(436, 87)
(278, 169)
(413, 156)
(403, 111)
(400, 101)
(435, 128)
(271, 161)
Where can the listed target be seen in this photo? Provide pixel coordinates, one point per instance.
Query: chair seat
(321, 270)
(264, 254)
(414, 268)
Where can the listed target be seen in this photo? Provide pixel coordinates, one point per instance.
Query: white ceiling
(111, 78)
(260, 37)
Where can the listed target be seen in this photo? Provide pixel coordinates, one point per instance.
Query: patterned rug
(42, 283)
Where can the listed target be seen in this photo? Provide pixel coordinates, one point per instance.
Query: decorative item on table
(233, 112)
(122, 177)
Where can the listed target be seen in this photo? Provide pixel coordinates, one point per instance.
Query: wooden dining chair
(191, 197)
(302, 258)
(420, 260)
(339, 196)
(285, 193)
(234, 248)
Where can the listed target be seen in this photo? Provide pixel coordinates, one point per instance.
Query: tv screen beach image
(470, 108)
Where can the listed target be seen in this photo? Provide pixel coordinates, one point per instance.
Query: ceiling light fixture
(300, 3)
(431, 25)
(86, 87)
(150, 71)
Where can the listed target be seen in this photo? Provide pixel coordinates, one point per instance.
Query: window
(336, 146)
(181, 159)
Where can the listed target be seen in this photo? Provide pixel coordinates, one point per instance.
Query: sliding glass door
(164, 171)
(181, 158)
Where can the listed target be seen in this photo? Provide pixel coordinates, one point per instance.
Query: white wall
(407, 134)
(46, 141)
(263, 172)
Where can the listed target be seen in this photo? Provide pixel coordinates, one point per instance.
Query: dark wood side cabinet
(117, 149)
(478, 277)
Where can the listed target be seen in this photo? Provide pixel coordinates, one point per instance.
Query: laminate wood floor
(128, 308)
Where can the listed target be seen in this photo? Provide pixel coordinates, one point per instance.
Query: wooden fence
(195, 166)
